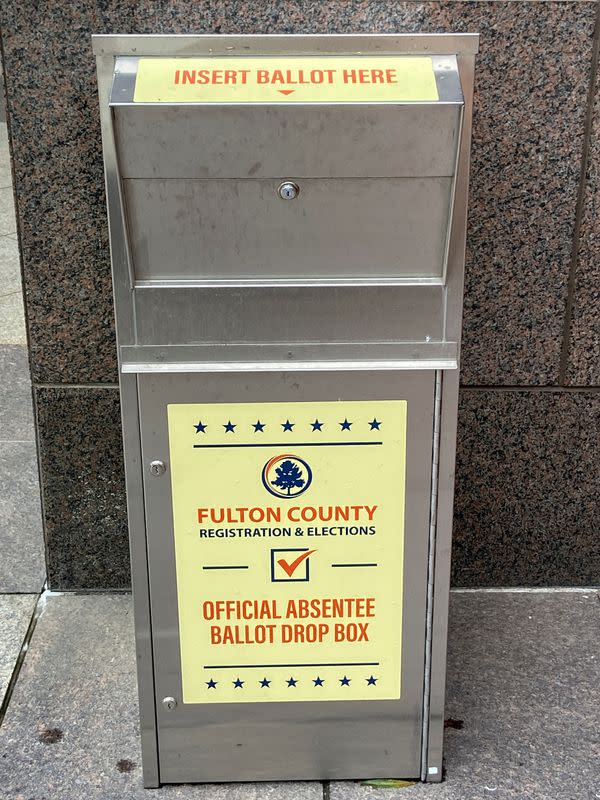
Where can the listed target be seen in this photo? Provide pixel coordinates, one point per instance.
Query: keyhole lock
(288, 190)
(169, 703)
(157, 468)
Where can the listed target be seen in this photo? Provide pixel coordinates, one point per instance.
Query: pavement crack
(37, 611)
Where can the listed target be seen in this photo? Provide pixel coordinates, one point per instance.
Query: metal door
(287, 740)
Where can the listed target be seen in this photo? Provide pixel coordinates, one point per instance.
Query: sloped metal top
(267, 44)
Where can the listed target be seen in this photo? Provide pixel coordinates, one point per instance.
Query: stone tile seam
(524, 589)
(579, 208)
(88, 592)
(76, 386)
(464, 387)
(453, 590)
(532, 389)
(506, 2)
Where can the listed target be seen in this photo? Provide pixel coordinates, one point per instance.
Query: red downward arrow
(286, 91)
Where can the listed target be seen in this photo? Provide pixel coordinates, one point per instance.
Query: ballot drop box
(287, 229)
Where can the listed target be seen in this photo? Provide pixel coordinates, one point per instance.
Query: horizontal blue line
(287, 666)
(291, 443)
(227, 567)
(354, 565)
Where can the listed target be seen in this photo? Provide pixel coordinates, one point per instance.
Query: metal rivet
(288, 190)
(157, 467)
(169, 703)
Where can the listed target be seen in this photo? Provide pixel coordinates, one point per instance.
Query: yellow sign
(289, 532)
(309, 79)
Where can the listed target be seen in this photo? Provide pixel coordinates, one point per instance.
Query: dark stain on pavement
(50, 735)
(125, 765)
(450, 722)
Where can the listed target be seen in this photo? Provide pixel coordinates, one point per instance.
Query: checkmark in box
(290, 564)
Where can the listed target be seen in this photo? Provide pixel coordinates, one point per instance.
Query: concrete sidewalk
(523, 704)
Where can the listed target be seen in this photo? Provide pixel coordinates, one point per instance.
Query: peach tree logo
(286, 476)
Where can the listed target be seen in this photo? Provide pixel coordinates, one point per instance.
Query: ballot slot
(370, 151)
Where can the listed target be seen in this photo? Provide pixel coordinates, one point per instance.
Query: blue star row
(259, 426)
(266, 684)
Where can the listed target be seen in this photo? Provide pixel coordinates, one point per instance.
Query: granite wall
(529, 443)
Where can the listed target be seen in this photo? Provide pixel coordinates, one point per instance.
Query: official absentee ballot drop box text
(287, 222)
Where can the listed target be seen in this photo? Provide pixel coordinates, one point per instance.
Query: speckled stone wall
(529, 449)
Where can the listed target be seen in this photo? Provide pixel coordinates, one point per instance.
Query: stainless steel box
(284, 252)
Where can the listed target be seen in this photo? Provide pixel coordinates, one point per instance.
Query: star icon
(345, 681)
(238, 684)
(292, 682)
(200, 428)
(371, 681)
(287, 425)
(258, 426)
(318, 681)
(375, 424)
(229, 427)
(316, 425)
(211, 684)
(345, 425)
(265, 683)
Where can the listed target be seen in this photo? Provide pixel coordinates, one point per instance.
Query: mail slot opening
(376, 166)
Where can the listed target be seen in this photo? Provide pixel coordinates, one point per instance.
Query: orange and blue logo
(286, 476)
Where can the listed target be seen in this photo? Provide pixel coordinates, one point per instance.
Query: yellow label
(289, 535)
(314, 79)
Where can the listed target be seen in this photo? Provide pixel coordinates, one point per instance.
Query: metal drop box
(287, 225)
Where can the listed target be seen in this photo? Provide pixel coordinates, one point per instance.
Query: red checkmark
(291, 568)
